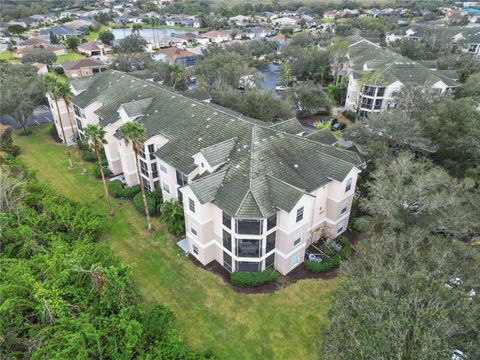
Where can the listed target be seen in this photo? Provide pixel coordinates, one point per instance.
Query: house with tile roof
(83, 67)
(174, 55)
(255, 195)
(94, 48)
(375, 74)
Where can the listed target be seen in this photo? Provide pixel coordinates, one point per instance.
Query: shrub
(117, 190)
(96, 172)
(6, 143)
(173, 217)
(89, 156)
(252, 279)
(334, 261)
(138, 202)
(350, 115)
(84, 146)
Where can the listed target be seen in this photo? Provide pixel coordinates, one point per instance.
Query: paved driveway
(41, 115)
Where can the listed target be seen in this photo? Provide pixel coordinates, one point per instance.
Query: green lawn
(211, 316)
(7, 56)
(70, 55)
(93, 35)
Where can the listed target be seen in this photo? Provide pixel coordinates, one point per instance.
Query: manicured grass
(7, 56)
(93, 35)
(70, 55)
(211, 316)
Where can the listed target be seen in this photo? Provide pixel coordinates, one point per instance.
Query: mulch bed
(299, 273)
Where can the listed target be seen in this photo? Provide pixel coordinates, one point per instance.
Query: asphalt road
(41, 115)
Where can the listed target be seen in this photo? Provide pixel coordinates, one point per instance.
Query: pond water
(271, 76)
(148, 33)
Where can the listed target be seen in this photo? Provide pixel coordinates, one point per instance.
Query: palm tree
(153, 21)
(136, 28)
(66, 94)
(134, 133)
(96, 137)
(172, 215)
(124, 26)
(52, 85)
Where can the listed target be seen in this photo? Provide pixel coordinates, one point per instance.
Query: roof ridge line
(221, 142)
(286, 183)
(243, 200)
(316, 142)
(185, 97)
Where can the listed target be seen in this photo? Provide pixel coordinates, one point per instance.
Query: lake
(148, 33)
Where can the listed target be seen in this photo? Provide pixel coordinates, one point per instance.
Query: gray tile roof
(291, 126)
(391, 65)
(324, 136)
(260, 169)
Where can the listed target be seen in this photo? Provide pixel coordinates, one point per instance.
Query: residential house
(284, 22)
(174, 55)
(83, 67)
(60, 31)
(56, 49)
(375, 74)
(25, 22)
(79, 25)
(42, 69)
(255, 195)
(280, 39)
(32, 42)
(240, 20)
(94, 48)
(216, 36)
(469, 40)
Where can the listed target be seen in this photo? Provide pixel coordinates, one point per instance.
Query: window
(181, 179)
(191, 205)
(295, 259)
(297, 239)
(344, 208)
(156, 184)
(300, 214)
(369, 90)
(195, 249)
(248, 248)
(146, 184)
(227, 261)
(381, 91)
(227, 240)
(179, 196)
(154, 170)
(349, 185)
(227, 220)
(367, 103)
(270, 261)
(151, 150)
(79, 125)
(77, 111)
(143, 167)
(142, 152)
(249, 227)
(166, 188)
(272, 222)
(271, 241)
(248, 266)
(193, 230)
(378, 104)
(340, 228)
(96, 70)
(163, 167)
(320, 210)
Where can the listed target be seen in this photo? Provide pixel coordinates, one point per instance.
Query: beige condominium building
(255, 195)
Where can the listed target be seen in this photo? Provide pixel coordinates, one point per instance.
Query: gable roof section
(82, 63)
(291, 126)
(323, 136)
(218, 154)
(261, 168)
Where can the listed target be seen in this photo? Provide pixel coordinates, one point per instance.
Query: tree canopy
(39, 55)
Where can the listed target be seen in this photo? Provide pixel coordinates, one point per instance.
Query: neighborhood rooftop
(258, 167)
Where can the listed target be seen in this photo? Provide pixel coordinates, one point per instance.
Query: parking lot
(41, 115)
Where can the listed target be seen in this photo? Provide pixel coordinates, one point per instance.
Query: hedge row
(117, 190)
(334, 261)
(151, 203)
(251, 279)
(98, 175)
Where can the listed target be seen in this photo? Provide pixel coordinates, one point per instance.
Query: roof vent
(215, 113)
(145, 85)
(295, 166)
(237, 166)
(156, 110)
(193, 115)
(132, 80)
(245, 146)
(206, 127)
(193, 105)
(199, 139)
(208, 119)
(173, 96)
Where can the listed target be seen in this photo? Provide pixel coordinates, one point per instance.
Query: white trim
(220, 246)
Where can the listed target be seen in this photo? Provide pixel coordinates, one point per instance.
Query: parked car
(338, 126)
(281, 88)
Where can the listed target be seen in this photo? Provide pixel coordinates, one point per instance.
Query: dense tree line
(63, 293)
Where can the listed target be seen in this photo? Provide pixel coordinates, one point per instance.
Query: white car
(458, 355)
(281, 88)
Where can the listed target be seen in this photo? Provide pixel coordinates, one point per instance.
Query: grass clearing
(70, 55)
(210, 315)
